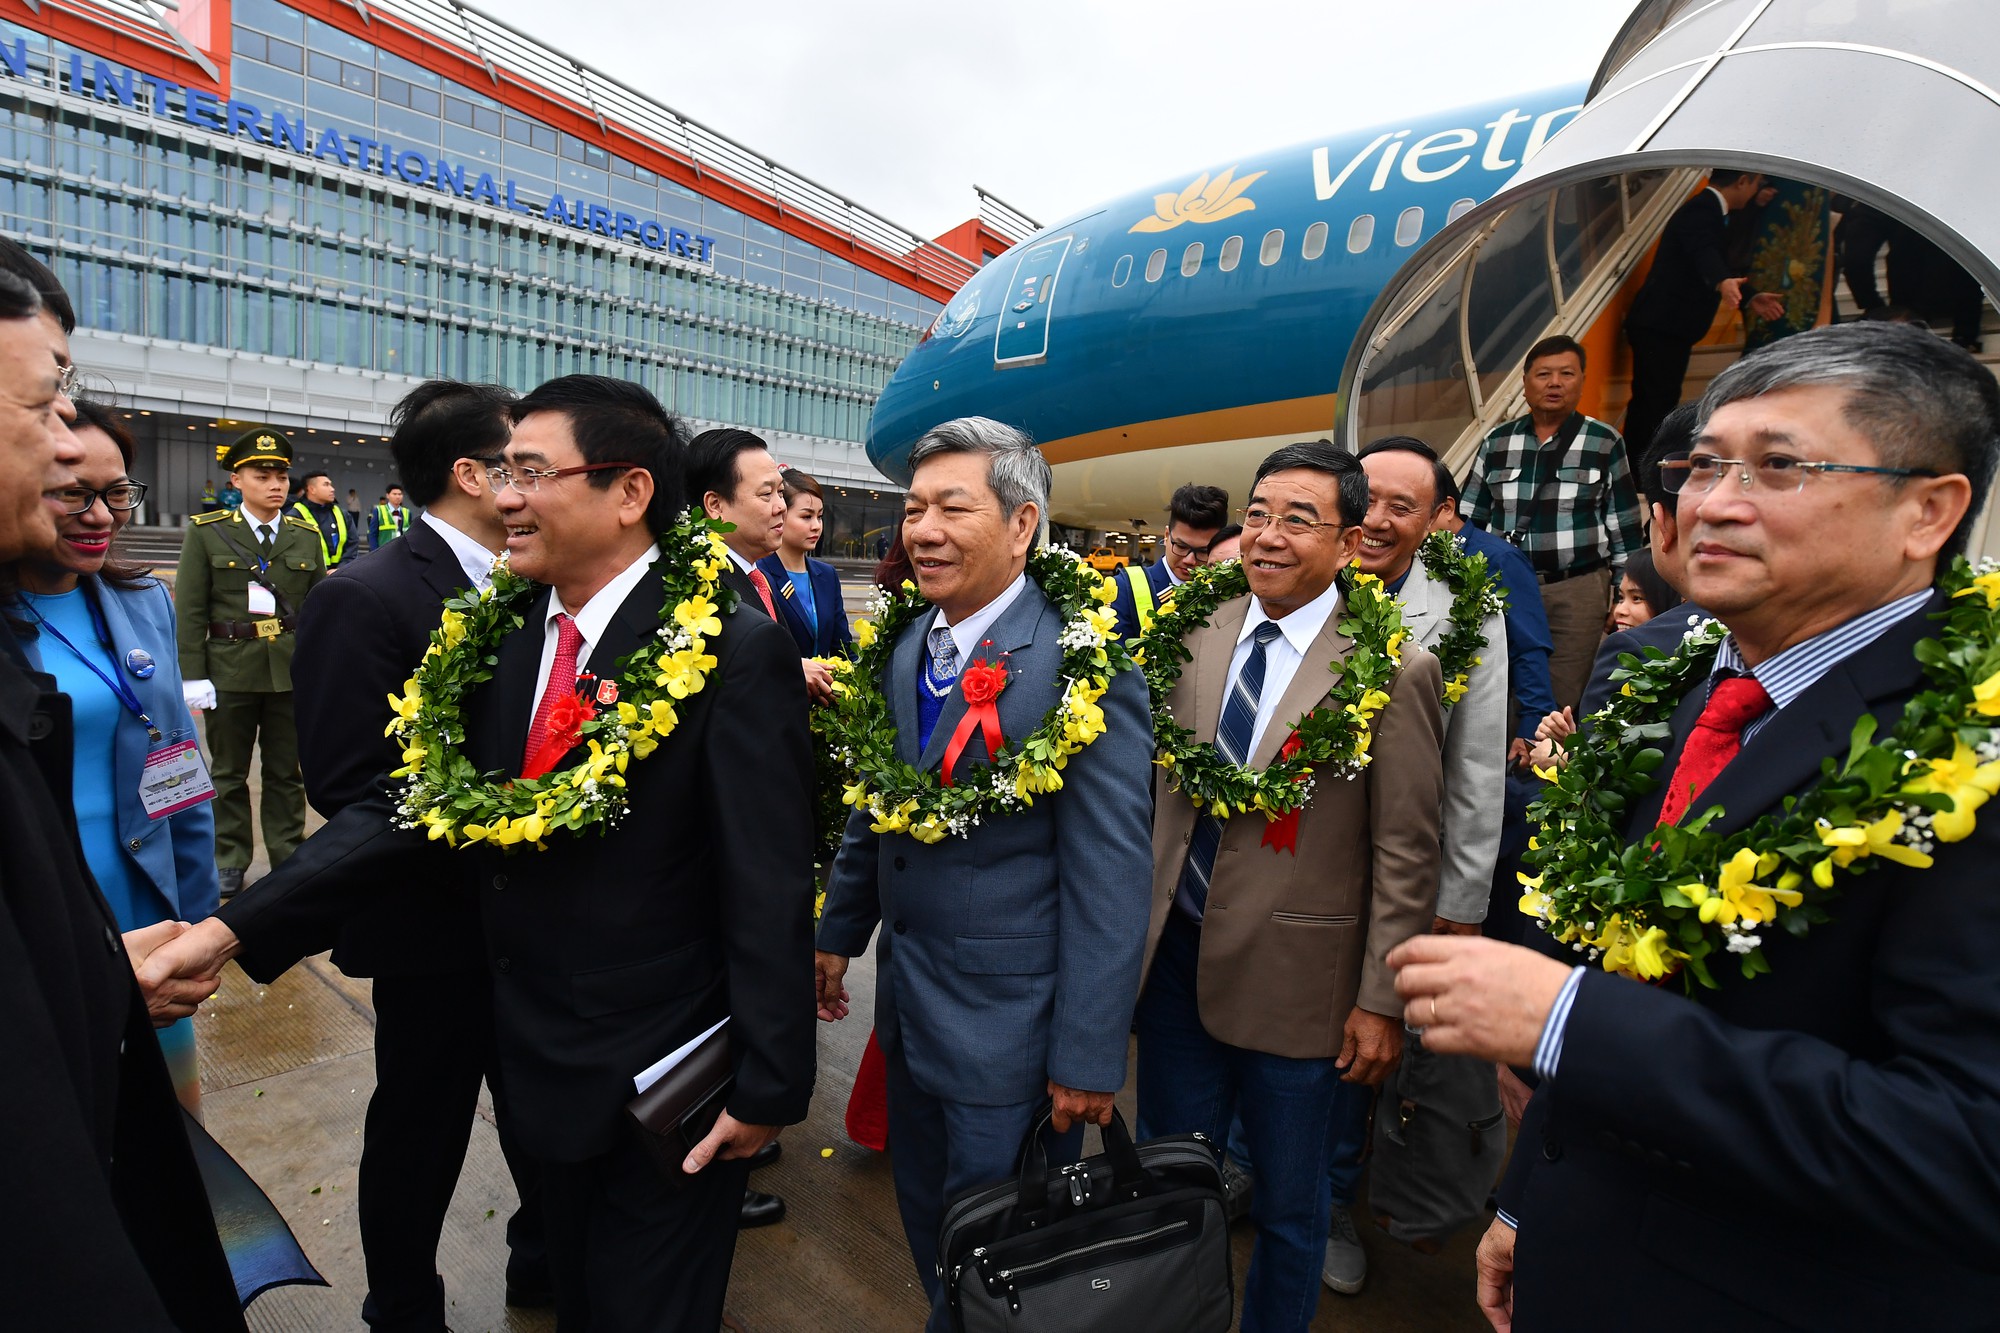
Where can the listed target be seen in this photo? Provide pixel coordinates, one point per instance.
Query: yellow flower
(1455, 688)
(404, 708)
(1651, 958)
(1961, 777)
(1986, 696)
(628, 713)
(895, 821)
(453, 625)
(1395, 646)
(532, 827)
(1737, 894)
(1534, 902)
(698, 616)
(1102, 619)
(854, 793)
(1106, 592)
(1855, 841)
(928, 830)
(1988, 586)
(864, 632)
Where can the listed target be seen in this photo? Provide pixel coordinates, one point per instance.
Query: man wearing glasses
(1194, 516)
(244, 574)
(1266, 983)
(1832, 1112)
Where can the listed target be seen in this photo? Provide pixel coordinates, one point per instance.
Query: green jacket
(213, 584)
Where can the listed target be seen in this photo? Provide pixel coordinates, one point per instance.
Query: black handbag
(1133, 1238)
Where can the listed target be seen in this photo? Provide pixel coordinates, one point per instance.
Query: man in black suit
(1690, 277)
(1812, 1148)
(607, 950)
(360, 635)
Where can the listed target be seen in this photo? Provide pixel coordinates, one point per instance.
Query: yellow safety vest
(339, 551)
(391, 518)
(1142, 595)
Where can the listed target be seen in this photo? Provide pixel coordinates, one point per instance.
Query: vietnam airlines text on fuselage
(1210, 314)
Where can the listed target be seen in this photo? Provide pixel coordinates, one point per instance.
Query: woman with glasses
(105, 630)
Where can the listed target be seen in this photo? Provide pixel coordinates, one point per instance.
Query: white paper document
(652, 1074)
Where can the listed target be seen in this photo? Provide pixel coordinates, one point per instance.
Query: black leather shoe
(761, 1210)
(767, 1154)
(232, 881)
(528, 1287)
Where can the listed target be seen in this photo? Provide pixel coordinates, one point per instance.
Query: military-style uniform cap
(265, 445)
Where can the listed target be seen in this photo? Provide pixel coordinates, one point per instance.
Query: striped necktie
(1232, 742)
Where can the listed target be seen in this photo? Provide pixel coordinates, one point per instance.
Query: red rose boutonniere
(981, 684)
(565, 729)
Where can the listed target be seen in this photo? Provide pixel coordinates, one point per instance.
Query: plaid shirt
(1577, 510)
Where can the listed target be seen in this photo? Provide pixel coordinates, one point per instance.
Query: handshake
(179, 965)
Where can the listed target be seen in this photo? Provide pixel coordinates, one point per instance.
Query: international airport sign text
(243, 120)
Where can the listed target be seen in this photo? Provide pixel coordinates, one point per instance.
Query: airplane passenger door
(1023, 335)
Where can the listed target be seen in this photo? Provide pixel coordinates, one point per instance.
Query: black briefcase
(1133, 1238)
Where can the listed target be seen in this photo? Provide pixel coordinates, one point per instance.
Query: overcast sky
(1057, 104)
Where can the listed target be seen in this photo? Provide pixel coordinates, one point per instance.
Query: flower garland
(1475, 595)
(1669, 902)
(1334, 736)
(444, 794)
(859, 729)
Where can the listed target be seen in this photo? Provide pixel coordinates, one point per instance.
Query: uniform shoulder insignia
(295, 521)
(213, 516)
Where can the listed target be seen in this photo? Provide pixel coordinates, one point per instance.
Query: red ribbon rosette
(981, 684)
(1282, 834)
(566, 721)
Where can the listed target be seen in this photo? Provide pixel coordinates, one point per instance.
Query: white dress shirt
(1282, 656)
(967, 633)
(259, 529)
(474, 559)
(591, 621)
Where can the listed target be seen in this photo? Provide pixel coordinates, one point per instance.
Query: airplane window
(1156, 264)
(1410, 225)
(1459, 209)
(1315, 242)
(1361, 234)
(1232, 250)
(1274, 246)
(1191, 260)
(1121, 272)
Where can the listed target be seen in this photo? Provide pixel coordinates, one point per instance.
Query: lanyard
(112, 683)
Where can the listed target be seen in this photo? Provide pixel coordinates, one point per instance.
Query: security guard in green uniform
(244, 573)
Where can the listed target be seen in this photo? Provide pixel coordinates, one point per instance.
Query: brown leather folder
(679, 1110)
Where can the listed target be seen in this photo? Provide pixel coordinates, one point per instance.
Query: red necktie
(763, 587)
(1735, 702)
(562, 682)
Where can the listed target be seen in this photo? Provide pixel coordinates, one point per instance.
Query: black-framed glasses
(1188, 549)
(120, 498)
(528, 480)
(1292, 525)
(1701, 473)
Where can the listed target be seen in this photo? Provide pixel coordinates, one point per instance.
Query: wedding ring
(1434, 1011)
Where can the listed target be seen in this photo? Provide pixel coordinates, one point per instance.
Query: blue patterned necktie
(1232, 742)
(944, 655)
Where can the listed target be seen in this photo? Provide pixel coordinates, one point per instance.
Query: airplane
(1180, 332)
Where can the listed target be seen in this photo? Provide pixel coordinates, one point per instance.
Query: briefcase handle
(1128, 1174)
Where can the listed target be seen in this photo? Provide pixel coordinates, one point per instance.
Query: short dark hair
(1199, 507)
(1224, 533)
(91, 413)
(616, 421)
(1443, 488)
(1722, 176)
(1672, 438)
(306, 479)
(1660, 595)
(1328, 457)
(711, 462)
(18, 297)
(1556, 344)
(1922, 402)
(798, 483)
(16, 259)
(440, 422)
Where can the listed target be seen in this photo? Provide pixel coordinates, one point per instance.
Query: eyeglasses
(1777, 474)
(528, 480)
(1292, 525)
(1188, 548)
(69, 381)
(124, 496)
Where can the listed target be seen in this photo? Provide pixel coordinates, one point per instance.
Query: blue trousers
(1190, 1082)
(939, 1149)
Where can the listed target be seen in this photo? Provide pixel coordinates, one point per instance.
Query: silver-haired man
(1014, 963)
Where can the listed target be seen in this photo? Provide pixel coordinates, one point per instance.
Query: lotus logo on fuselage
(958, 316)
(1204, 200)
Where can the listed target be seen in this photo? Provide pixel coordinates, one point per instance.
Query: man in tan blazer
(1266, 983)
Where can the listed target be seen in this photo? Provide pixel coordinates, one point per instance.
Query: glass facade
(227, 241)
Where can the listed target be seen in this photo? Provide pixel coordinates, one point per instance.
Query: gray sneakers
(1346, 1266)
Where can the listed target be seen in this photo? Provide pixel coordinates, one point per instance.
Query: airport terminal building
(291, 211)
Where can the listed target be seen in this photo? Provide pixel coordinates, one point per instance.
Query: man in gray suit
(1010, 959)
